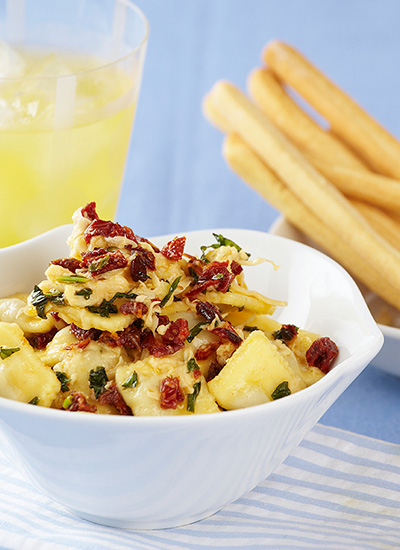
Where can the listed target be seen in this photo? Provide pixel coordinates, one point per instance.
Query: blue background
(176, 179)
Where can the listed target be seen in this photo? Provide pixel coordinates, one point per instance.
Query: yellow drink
(49, 168)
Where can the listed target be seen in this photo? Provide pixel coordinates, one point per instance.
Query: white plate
(388, 358)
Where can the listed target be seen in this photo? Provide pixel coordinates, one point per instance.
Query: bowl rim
(373, 343)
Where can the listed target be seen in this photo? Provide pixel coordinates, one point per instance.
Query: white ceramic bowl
(166, 471)
(387, 358)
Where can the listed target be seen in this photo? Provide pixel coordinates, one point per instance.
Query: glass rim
(134, 50)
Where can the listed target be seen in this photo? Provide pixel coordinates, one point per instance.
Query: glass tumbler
(70, 74)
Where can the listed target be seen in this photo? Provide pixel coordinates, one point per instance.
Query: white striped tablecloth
(338, 490)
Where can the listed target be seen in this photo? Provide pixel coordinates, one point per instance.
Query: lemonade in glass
(70, 73)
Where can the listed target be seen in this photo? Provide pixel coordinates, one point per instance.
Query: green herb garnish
(34, 401)
(6, 352)
(55, 297)
(39, 300)
(192, 365)
(247, 328)
(221, 241)
(131, 381)
(196, 330)
(63, 379)
(282, 390)
(171, 290)
(127, 295)
(191, 398)
(67, 402)
(193, 274)
(96, 265)
(85, 292)
(107, 306)
(97, 380)
(70, 279)
(104, 309)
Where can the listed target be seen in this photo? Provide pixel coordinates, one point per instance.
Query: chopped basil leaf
(131, 381)
(39, 300)
(85, 292)
(127, 295)
(63, 379)
(104, 309)
(34, 401)
(282, 390)
(191, 398)
(6, 352)
(70, 279)
(247, 328)
(97, 380)
(107, 306)
(196, 330)
(171, 290)
(67, 402)
(192, 365)
(193, 274)
(55, 297)
(95, 265)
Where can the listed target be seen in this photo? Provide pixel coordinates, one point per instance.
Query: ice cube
(49, 66)
(12, 64)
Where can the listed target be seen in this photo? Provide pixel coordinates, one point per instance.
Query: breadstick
(347, 119)
(310, 186)
(383, 224)
(214, 116)
(367, 186)
(355, 183)
(290, 118)
(247, 164)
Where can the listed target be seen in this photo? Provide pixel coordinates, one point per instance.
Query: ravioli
(123, 327)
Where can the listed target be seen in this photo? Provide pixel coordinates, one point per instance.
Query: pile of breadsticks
(340, 186)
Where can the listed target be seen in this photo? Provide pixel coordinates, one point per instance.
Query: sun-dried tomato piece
(177, 332)
(170, 393)
(79, 403)
(213, 370)
(205, 351)
(227, 332)
(139, 309)
(236, 268)
(111, 396)
(142, 261)
(40, 340)
(215, 274)
(107, 228)
(173, 340)
(99, 261)
(72, 264)
(208, 311)
(130, 338)
(82, 334)
(139, 269)
(89, 211)
(163, 320)
(286, 333)
(322, 353)
(173, 250)
(108, 339)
